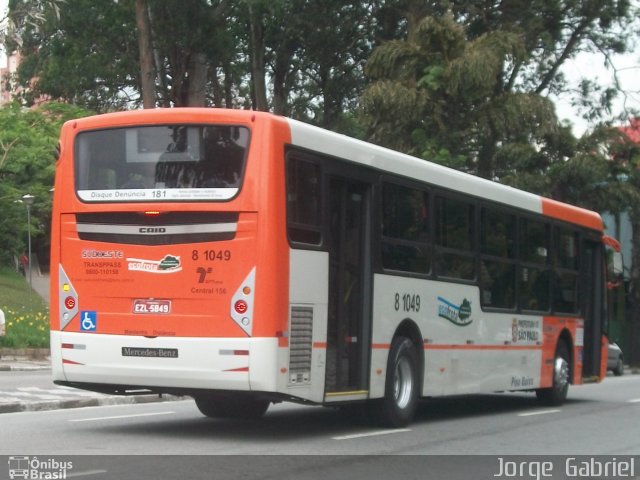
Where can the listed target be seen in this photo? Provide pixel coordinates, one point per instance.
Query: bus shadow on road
(288, 422)
(283, 422)
(463, 406)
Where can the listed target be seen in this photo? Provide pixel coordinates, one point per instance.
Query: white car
(615, 359)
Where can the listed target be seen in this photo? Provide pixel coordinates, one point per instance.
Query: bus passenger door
(349, 286)
(594, 307)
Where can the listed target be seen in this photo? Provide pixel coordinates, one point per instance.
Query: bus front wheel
(557, 393)
(397, 407)
(231, 406)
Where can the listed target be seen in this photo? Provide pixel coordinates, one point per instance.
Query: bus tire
(397, 408)
(231, 406)
(557, 393)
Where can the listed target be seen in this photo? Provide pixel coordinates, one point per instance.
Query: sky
(584, 65)
(592, 66)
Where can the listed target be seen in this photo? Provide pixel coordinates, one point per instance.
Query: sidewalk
(10, 362)
(40, 284)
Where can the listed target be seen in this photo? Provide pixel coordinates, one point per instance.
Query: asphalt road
(598, 419)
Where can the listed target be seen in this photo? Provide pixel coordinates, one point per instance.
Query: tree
(309, 55)
(302, 58)
(27, 165)
(81, 53)
(189, 40)
(84, 53)
(469, 82)
(147, 76)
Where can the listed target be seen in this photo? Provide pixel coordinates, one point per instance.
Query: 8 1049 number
(212, 255)
(408, 302)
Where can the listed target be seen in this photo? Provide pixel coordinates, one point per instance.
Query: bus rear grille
(167, 228)
(300, 345)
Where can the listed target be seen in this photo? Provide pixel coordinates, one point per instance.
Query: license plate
(152, 306)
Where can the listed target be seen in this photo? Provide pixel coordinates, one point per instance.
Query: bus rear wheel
(231, 406)
(557, 393)
(397, 408)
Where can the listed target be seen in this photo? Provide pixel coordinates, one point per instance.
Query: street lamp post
(28, 201)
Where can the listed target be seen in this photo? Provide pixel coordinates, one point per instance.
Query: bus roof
(341, 146)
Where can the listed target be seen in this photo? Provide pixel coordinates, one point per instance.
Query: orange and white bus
(244, 258)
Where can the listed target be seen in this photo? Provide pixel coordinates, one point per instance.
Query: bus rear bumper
(164, 363)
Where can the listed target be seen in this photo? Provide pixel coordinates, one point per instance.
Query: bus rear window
(155, 163)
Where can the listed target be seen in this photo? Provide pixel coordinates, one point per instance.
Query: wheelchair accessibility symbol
(88, 321)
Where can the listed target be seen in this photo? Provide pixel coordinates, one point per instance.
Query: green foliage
(474, 82)
(28, 140)
(26, 315)
(81, 51)
(309, 54)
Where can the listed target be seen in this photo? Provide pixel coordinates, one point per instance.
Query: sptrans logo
(169, 264)
(34, 468)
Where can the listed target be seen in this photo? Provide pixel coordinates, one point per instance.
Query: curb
(13, 407)
(13, 367)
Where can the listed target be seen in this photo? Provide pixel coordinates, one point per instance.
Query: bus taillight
(68, 299)
(70, 303)
(241, 307)
(242, 303)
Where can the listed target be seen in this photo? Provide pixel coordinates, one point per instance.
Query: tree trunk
(197, 81)
(257, 62)
(486, 157)
(147, 84)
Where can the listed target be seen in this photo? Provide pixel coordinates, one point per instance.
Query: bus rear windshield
(161, 163)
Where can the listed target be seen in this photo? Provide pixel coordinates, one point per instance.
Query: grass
(26, 314)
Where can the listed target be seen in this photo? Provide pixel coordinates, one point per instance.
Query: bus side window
(405, 229)
(455, 227)
(535, 269)
(497, 259)
(566, 264)
(304, 221)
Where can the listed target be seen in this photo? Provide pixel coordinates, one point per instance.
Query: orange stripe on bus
(381, 346)
(482, 347)
(319, 344)
(572, 214)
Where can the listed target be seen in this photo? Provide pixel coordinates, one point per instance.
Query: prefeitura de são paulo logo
(35, 468)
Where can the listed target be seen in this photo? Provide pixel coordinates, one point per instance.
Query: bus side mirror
(617, 266)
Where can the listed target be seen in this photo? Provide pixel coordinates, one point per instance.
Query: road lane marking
(371, 434)
(539, 412)
(635, 400)
(116, 417)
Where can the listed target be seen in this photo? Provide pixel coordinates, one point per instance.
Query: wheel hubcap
(561, 373)
(403, 383)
